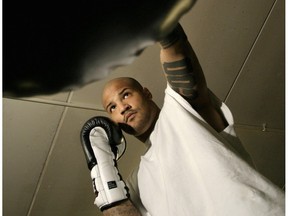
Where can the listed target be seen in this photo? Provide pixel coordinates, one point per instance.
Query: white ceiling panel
(62, 96)
(222, 33)
(259, 93)
(28, 132)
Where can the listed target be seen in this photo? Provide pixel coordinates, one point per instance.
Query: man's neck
(143, 137)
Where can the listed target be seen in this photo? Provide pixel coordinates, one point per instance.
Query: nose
(124, 107)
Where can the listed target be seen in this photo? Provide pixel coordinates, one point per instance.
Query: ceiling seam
(250, 51)
(262, 128)
(41, 177)
(61, 103)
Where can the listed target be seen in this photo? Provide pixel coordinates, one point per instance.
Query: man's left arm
(185, 76)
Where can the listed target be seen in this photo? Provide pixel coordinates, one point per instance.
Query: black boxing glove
(100, 138)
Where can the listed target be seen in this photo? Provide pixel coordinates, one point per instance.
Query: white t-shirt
(191, 170)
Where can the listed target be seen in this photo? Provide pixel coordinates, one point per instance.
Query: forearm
(100, 138)
(185, 76)
(182, 68)
(175, 46)
(125, 208)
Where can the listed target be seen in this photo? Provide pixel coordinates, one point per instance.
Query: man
(195, 164)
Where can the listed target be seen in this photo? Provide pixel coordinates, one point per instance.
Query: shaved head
(130, 105)
(128, 81)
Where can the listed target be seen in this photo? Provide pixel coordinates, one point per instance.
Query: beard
(127, 129)
(142, 124)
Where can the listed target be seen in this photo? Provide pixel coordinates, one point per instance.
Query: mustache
(127, 114)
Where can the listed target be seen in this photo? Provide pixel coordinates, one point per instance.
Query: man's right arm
(125, 208)
(100, 138)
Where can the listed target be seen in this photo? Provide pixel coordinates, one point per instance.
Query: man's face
(128, 106)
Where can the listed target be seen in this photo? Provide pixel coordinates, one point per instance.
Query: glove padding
(100, 138)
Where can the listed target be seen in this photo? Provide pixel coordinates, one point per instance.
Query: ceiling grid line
(61, 103)
(54, 141)
(250, 52)
(262, 128)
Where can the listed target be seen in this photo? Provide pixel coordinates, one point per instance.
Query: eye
(112, 108)
(126, 95)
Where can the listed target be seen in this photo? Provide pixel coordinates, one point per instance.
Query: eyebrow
(120, 93)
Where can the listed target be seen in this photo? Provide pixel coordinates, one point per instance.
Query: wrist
(173, 37)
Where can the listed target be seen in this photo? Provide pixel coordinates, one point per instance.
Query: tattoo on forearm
(181, 77)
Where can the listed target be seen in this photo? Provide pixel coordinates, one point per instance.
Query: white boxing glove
(100, 140)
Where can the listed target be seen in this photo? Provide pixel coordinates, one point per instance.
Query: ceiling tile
(61, 96)
(28, 131)
(259, 94)
(222, 33)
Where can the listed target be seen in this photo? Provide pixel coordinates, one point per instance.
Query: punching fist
(101, 139)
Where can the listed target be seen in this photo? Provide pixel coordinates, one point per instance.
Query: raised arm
(185, 76)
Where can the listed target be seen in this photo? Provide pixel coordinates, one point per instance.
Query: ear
(147, 93)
